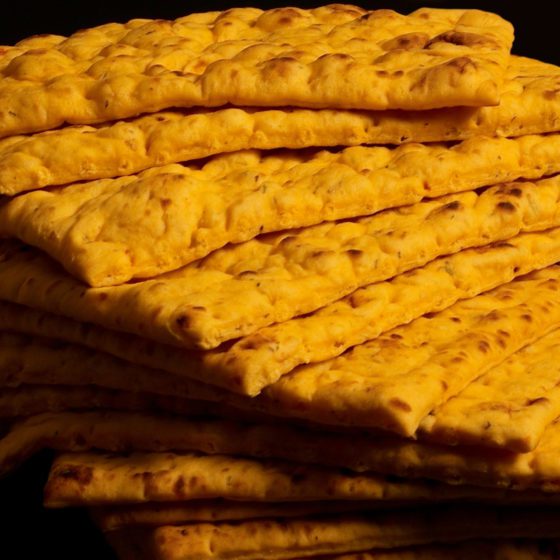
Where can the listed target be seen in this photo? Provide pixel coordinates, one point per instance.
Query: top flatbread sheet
(109, 231)
(333, 56)
(530, 104)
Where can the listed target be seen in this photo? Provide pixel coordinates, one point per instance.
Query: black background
(27, 529)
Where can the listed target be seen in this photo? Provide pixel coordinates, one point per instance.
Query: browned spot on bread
(483, 346)
(505, 206)
(408, 41)
(80, 473)
(463, 39)
(400, 404)
(539, 400)
(462, 64)
(527, 317)
(179, 486)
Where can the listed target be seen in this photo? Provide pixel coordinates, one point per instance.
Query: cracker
(110, 518)
(110, 231)
(298, 538)
(238, 289)
(395, 380)
(528, 106)
(510, 406)
(333, 56)
(92, 479)
(261, 358)
(121, 431)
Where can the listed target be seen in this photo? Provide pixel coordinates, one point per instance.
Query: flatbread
(510, 406)
(487, 549)
(129, 548)
(261, 358)
(93, 479)
(120, 431)
(333, 56)
(529, 105)
(395, 380)
(238, 289)
(298, 538)
(110, 231)
(110, 518)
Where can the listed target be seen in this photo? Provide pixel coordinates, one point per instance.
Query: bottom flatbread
(299, 538)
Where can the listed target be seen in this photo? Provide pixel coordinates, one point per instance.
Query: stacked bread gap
(282, 284)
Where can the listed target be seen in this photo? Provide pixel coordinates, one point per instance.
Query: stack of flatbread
(282, 284)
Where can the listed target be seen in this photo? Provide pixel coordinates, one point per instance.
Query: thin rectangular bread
(110, 231)
(394, 381)
(332, 56)
(238, 289)
(154, 514)
(529, 105)
(94, 479)
(509, 406)
(261, 358)
(127, 431)
(132, 547)
(299, 538)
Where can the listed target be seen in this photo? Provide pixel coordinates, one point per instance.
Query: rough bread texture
(261, 358)
(530, 104)
(155, 514)
(332, 56)
(96, 479)
(276, 539)
(111, 231)
(238, 289)
(121, 431)
(78, 479)
(131, 546)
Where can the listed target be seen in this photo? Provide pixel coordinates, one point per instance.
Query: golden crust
(111, 231)
(261, 358)
(238, 289)
(91, 479)
(78, 479)
(510, 406)
(276, 539)
(332, 56)
(121, 431)
(529, 105)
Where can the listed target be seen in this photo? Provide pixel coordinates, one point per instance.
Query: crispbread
(110, 518)
(333, 56)
(240, 288)
(395, 380)
(88, 479)
(261, 358)
(510, 406)
(298, 538)
(529, 105)
(487, 549)
(109, 231)
(130, 548)
(120, 431)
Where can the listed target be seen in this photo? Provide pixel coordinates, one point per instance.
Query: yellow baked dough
(300, 538)
(332, 56)
(260, 358)
(238, 289)
(110, 231)
(529, 105)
